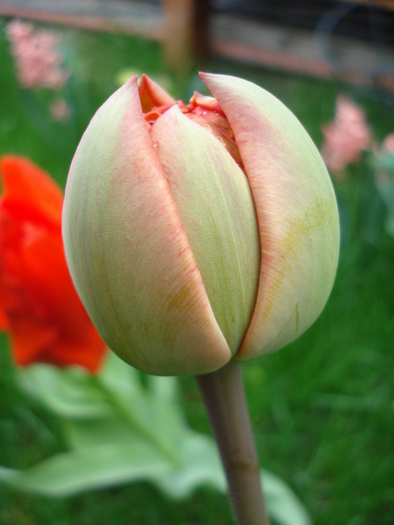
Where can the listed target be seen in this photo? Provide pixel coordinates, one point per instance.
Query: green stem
(224, 399)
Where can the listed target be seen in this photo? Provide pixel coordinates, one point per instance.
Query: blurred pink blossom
(37, 60)
(345, 137)
(382, 175)
(59, 109)
(388, 144)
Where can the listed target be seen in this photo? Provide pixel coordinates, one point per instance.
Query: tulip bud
(199, 233)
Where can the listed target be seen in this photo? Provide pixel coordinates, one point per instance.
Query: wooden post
(186, 39)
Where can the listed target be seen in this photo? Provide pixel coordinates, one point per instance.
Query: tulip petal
(4, 322)
(215, 204)
(151, 94)
(296, 211)
(127, 249)
(46, 320)
(26, 183)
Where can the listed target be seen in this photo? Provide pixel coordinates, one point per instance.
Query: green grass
(322, 408)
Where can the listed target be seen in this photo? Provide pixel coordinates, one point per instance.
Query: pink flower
(388, 144)
(60, 109)
(37, 60)
(383, 162)
(345, 137)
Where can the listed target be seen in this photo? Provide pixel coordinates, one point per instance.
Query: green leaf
(149, 412)
(119, 376)
(164, 388)
(115, 464)
(384, 161)
(82, 434)
(282, 504)
(100, 466)
(121, 432)
(69, 393)
(199, 465)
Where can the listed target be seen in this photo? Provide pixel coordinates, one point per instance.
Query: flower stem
(224, 399)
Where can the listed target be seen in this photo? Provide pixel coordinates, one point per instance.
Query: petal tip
(131, 82)
(203, 75)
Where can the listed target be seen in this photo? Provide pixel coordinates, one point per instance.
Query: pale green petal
(214, 201)
(127, 251)
(296, 211)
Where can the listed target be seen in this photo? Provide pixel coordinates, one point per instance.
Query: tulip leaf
(164, 388)
(119, 376)
(148, 411)
(119, 430)
(282, 504)
(78, 471)
(73, 393)
(80, 434)
(200, 465)
(113, 464)
(70, 393)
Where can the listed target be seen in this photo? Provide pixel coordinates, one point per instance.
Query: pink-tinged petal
(213, 198)
(296, 212)
(206, 102)
(127, 249)
(152, 95)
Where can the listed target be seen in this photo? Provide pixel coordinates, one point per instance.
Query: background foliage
(322, 408)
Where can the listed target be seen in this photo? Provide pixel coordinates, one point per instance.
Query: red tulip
(39, 307)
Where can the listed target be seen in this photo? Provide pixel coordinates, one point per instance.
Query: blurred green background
(322, 408)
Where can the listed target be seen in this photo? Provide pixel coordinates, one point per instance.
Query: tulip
(201, 233)
(39, 307)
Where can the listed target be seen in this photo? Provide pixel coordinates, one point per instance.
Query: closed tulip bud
(199, 233)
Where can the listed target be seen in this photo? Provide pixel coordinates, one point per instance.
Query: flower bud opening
(206, 112)
(196, 149)
(184, 255)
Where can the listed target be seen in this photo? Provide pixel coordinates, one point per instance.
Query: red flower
(39, 306)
